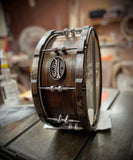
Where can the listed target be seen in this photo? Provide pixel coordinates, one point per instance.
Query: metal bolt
(73, 32)
(52, 88)
(66, 32)
(56, 51)
(76, 126)
(60, 88)
(86, 47)
(59, 119)
(64, 50)
(66, 119)
(70, 126)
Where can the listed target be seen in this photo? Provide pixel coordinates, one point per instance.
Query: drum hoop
(100, 75)
(81, 109)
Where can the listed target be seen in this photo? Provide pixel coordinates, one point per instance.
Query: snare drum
(66, 78)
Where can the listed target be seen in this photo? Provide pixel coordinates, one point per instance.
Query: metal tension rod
(68, 30)
(63, 120)
(58, 88)
(58, 49)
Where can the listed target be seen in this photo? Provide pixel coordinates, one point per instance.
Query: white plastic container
(8, 85)
(9, 88)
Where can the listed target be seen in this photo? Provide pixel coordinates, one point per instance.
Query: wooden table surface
(47, 144)
(13, 130)
(117, 143)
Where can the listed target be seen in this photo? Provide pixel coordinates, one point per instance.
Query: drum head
(93, 78)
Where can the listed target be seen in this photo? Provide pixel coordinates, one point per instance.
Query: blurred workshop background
(24, 22)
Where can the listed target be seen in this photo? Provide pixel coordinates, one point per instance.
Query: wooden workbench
(35, 142)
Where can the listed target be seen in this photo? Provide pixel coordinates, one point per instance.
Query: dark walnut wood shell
(66, 78)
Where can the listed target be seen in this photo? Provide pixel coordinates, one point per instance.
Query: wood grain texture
(13, 130)
(43, 144)
(57, 103)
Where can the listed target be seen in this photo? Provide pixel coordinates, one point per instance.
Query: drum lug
(69, 32)
(60, 119)
(66, 31)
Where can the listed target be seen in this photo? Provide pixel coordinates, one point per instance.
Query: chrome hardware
(73, 32)
(64, 50)
(60, 118)
(86, 46)
(69, 33)
(51, 88)
(66, 119)
(59, 88)
(57, 49)
(66, 32)
(76, 126)
(70, 126)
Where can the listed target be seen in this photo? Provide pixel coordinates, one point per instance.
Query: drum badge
(57, 68)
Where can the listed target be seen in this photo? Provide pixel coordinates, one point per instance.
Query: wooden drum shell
(71, 101)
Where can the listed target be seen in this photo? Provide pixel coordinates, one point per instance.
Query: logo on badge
(57, 68)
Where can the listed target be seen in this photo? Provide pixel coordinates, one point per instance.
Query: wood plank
(115, 143)
(50, 144)
(11, 131)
